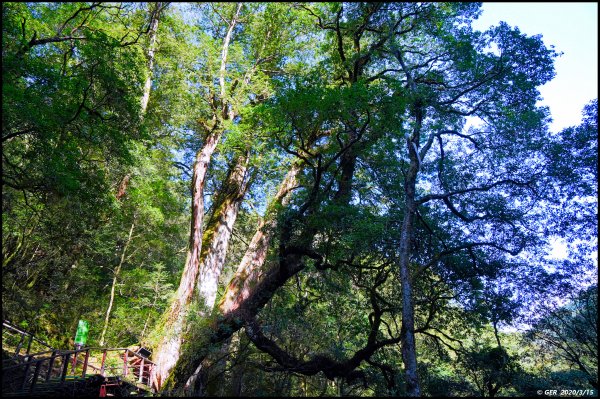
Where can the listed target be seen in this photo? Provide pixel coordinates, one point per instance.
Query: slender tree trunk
(226, 111)
(151, 50)
(409, 355)
(116, 273)
(409, 352)
(237, 342)
(154, 19)
(154, 301)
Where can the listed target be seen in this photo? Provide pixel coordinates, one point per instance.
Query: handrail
(10, 326)
(34, 364)
(139, 373)
(60, 353)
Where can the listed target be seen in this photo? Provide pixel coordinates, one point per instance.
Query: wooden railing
(9, 330)
(56, 365)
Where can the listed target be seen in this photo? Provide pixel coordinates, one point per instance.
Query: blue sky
(573, 29)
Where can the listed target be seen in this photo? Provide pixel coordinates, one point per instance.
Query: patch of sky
(573, 29)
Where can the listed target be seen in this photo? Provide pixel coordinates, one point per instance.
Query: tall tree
(153, 28)
(240, 79)
(450, 77)
(379, 172)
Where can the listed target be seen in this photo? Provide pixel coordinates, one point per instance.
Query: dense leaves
(410, 247)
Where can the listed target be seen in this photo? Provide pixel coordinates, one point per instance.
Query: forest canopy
(298, 199)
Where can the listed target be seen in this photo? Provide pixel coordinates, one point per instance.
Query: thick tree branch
(483, 188)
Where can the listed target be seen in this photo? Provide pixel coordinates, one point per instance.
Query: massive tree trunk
(227, 324)
(167, 353)
(216, 241)
(218, 232)
(252, 287)
(210, 262)
(248, 272)
(250, 268)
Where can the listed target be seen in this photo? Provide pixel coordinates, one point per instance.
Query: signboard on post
(82, 333)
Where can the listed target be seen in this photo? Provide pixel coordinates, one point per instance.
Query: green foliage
(72, 131)
(570, 334)
(358, 96)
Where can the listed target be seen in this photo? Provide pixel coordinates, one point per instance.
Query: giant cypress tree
(435, 71)
(241, 49)
(466, 191)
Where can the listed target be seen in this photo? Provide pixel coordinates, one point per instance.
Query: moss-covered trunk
(218, 233)
(250, 268)
(172, 326)
(204, 266)
(248, 273)
(167, 352)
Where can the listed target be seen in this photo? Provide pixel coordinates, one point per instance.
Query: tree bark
(409, 353)
(218, 232)
(168, 351)
(154, 18)
(217, 235)
(250, 270)
(242, 303)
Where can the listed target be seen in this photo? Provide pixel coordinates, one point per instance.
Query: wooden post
(150, 371)
(74, 362)
(36, 374)
(29, 343)
(102, 366)
(141, 371)
(27, 366)
(20, 344)
(63, 376)
(50, 365)
(125, 362)
(85, 362)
